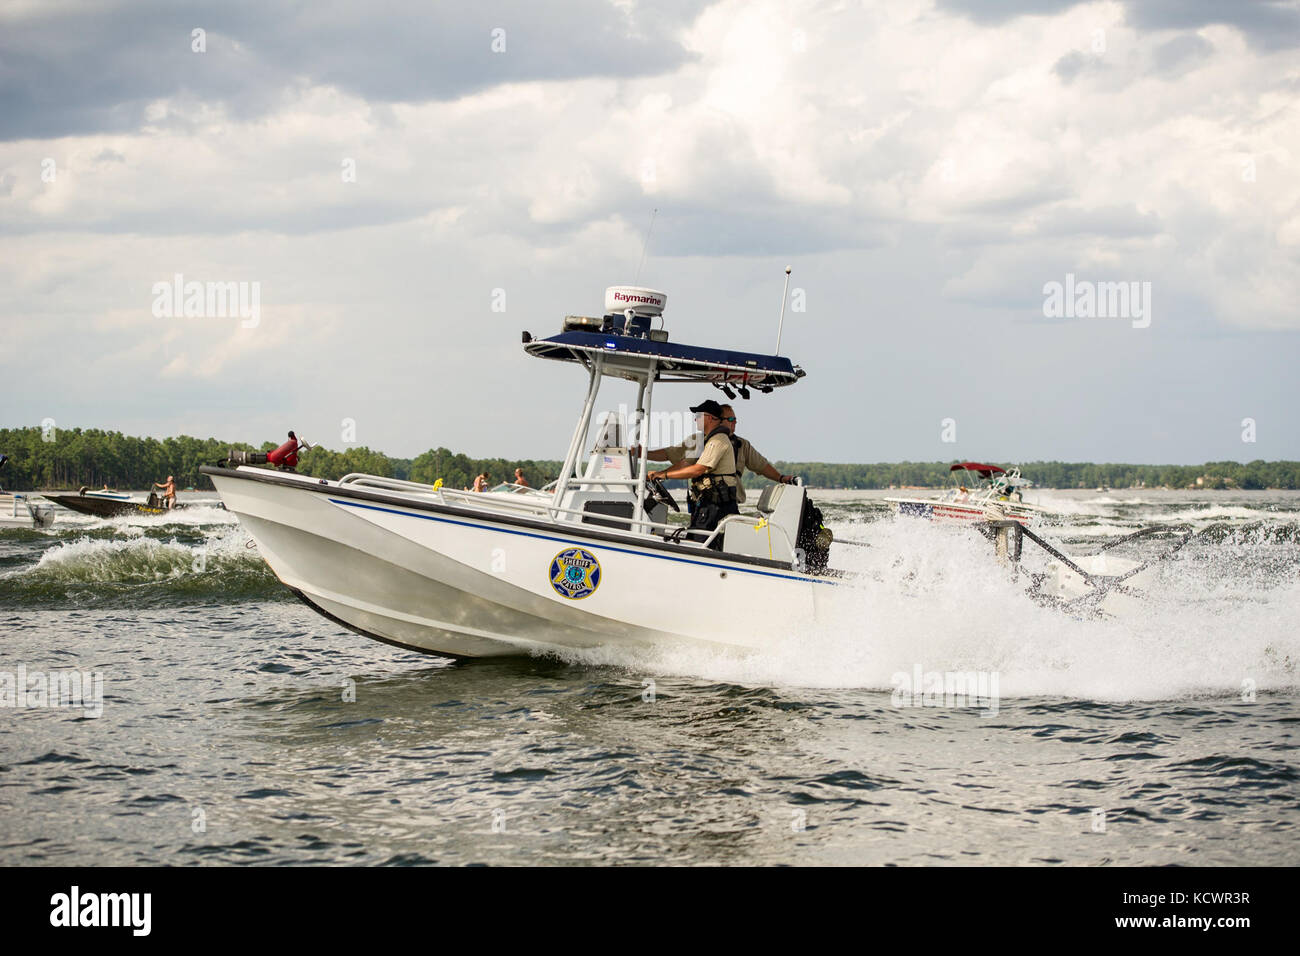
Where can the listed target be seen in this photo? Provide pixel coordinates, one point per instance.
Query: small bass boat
(112, 504)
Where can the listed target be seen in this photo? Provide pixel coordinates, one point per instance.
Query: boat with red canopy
(998, 497)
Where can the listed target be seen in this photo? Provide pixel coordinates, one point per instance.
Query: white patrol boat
(592, 559)
(588, 561)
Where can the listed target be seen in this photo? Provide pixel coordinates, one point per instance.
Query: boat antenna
(784, 293)
(645, 245)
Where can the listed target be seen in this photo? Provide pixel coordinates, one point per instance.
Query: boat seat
(619, 513)
(769, 499)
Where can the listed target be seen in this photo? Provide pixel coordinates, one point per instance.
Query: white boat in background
(588, 561)
(23, 511)
(1000, 498)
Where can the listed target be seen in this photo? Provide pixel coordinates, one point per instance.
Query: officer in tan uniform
(713, 476)
(747, 456)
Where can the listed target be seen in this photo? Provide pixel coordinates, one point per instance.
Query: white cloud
(960, 150)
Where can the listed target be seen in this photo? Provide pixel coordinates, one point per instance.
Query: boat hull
(107, 507)
(963, 513)
(457, 582)
(18, 511)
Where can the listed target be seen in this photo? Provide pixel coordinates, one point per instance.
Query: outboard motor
(285, 457)
(814, 538)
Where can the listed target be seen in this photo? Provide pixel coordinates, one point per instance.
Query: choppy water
(226, 736)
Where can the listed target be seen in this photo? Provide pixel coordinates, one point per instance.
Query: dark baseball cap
(709, 407)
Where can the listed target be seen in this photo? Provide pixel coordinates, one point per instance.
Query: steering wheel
(659, 493)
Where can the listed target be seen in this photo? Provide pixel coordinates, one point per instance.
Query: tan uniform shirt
(747, 457)
(720, 459)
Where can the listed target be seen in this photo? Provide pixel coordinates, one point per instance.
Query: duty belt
(707, 483)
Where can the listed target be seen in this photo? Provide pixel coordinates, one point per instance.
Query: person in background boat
(481, 482)
(168, 488)
(747, 456)
(520, 480)
(712, 477)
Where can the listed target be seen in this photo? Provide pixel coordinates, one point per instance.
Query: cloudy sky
(411, 184)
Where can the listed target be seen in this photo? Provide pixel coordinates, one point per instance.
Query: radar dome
(634, 299)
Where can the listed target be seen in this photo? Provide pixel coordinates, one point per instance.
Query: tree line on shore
(73, 457)
(69, 458)
(1218, 475)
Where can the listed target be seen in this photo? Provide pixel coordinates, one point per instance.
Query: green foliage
(457, 471)
(325, 463)
(94, 457)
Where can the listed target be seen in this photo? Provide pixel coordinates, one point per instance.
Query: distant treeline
(67, 458)
(76, 457)
(1057, 474)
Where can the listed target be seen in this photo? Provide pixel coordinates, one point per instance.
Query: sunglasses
(732, 420)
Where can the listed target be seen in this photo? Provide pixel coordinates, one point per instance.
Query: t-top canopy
(631, 357)
(984, 471)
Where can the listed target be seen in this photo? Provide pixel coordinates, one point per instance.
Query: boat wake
(195, 516)
(1216, 622)
(138, 570)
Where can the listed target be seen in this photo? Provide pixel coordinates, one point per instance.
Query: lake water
(237, 726)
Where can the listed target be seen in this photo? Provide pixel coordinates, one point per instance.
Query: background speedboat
(998, 497)
(110, 504)
(20, 511)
